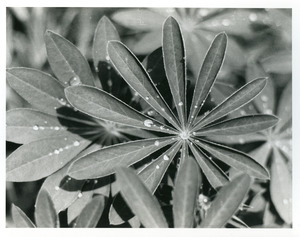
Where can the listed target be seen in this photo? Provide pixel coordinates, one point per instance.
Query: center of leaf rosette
(184, 135)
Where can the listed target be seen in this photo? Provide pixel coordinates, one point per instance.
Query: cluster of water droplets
(61, 149)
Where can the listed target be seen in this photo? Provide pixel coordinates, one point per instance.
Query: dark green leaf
(28, 125)
(175, 65)
(91, 214)
(25, 163)
(103, 162)
(105, 32)
(45, 215)
(239, 126)
(151, 175)
(137, 77)
(41, 90)
(186, 190)
(208, 74)
(20, 219)
(236, 159)
(281, 187)
(101, 105)
(215, 176)
(139, 199)
(232, 103)
(66, 61)
(227, 202)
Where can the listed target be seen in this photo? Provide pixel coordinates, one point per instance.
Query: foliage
(85, 132)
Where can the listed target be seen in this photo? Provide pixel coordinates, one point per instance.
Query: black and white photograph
(149, 117)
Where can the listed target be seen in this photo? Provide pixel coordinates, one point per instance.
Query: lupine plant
(77, 136)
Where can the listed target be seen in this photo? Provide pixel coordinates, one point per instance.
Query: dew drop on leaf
(107, 58)
(252, 17)
(156, 143)
(109, 83)
(45, 122)
(74, 81)
(157, 167)
(180, 103)
(56, 188)
(50, 154)
(242, 112)
(226, 22)
(147, 97)
(56, 152)
(62, 101)
(151, 112)
(194, 133)
(148, 123)
(108, 67)
(56, 128)
(60, 149)
(166, 157)
(161, 127)
(196, 106)
(76, 143)
(79, 195)
(35, 127)
(95, 181)
(264, 98)
(285, 201)
(269, 111)
(241, 141)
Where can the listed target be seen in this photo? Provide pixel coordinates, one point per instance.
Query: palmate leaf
(20, 219)
(175, 65)
(281, 187)
(40, 89)
(25, 163)
(28, 125)
(66, 61)
(186, 190)
(239, 126)
(235, 158)
(227, 202)
(99, 104)
(137, 77)
(103, 162)
(140, 200)
(151, 175)
(208, 74)
(45, 215)
(215, 176)
(242, 96)
(91, 214)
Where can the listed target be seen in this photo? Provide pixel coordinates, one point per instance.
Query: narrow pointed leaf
(41, 90)
(139, 199)
(45, 215)
(239, 139)
(186, 190)
(239, 126)
(151, 175)
(232, 103)
(66, 61)
(284, 111)
(99, 104)
(208, 74)
(175, 65)
(91, 214)
(105, 32)
(103, 162)
(227, 202)
(20, 219)
(137, 77)
(236, 159)
(215, 176)
(25, 163)
(28, 125)
(281, 187)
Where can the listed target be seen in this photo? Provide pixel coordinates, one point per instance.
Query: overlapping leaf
(20, 219)
(140, 200)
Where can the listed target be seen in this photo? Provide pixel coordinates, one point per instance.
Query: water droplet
(65, 139)
(56, 152)
(194, 133)
(285, 201)
(161, 127)
(149, 70)
(50, 154)
(108, 67)
(241, 141)
(269, 111)
(60, 149)
(147, 97)
(95, 181)
(56, 188)
(42, 128)
(192, 116)
(45, 122)
(206, 113)
(203, 12)
(242, 112)
(157, 167)
(156, 143)
(79, 195)
(107, 58)
(226, 22)
(151, 112)
(264, 98)
(56, 128)
(136, 94)
(157, 96)
(35, 127)
(74, 81)
(166, 157)
(109, 83)
(69, 178)
(252, 17)
(180, 103)
(62, 101)
(148, 123)
(162, 109)
(76, 143)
